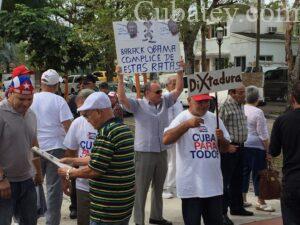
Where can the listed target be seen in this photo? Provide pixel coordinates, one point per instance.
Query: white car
(73, 84)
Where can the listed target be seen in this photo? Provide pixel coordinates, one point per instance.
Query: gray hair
(147, 86)
(252, 94)
(84, 93)
(170, 79)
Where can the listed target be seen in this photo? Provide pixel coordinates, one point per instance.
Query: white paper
(49, 157)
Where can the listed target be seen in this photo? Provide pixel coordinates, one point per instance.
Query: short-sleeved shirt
(81, 136)
(257, 127)
(17, 133)
(234, 118)
(198, 169)
(150, 122)
(51, 110)
(112, 193)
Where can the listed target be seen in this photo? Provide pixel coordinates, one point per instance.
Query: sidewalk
(172, 212)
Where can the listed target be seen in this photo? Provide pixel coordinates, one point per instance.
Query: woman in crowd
(256, 147)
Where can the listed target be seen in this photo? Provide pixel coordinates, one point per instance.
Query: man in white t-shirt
(173, 111)
(80, 138)
(53, 121)
(198, 173)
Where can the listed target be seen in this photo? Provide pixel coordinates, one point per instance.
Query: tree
(49, 43)
(290, 18)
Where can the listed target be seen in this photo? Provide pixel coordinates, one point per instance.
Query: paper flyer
(49, 157)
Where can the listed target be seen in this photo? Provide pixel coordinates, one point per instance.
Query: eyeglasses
(158, 92)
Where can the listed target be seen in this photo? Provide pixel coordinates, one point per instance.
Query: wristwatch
(2, 177)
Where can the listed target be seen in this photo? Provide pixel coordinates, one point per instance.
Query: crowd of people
(176, 152)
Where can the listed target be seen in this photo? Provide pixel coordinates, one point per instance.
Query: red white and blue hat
(21, 85)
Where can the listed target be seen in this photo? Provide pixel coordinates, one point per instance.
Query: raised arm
(179, 82)
(121, 89)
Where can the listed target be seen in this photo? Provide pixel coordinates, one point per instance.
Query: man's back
(51, 110)
(286, 135)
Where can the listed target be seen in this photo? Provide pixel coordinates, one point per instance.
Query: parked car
(276, 84)
(73, 83)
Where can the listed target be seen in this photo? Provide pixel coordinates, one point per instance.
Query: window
(224, 63)
(266, 58)
(240, 61)
(70, 79)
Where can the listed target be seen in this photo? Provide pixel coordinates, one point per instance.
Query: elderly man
(151, 117)
(17, 136)
(53, 121)
(233, 115)
(170, 182)
(285, 138)
(79, 139)
(199, 177)
(110, 166)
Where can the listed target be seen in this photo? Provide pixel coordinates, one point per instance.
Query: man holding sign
(199, 177)
(151, 117)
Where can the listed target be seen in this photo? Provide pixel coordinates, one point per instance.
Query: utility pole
(258, 35)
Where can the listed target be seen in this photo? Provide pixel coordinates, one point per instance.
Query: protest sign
(49, 157)
(214, 81)
(147, 46)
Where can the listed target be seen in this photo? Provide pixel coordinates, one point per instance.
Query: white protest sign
(147, 46)
(214, 81)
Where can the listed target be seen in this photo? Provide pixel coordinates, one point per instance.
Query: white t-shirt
(51, 110)
(198, 169)
(81, 137)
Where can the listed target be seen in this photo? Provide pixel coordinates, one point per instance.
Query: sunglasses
(158, 92)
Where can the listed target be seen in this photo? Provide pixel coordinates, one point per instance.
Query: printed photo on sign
(213, 81)
(147, 46)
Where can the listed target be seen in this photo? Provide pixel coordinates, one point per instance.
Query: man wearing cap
(53, 121)
(18, 132)
(110, 166)
(198, 170)
(80, 138)
(151, 117)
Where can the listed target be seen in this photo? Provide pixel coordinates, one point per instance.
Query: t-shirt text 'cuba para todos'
(198, 169)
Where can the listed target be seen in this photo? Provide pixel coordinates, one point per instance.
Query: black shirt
(286, 136)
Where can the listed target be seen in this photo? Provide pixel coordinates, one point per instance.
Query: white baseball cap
(51, 77)
(97, 100)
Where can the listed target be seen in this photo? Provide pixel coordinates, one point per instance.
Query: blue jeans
(254, 161)
(21, 204)
(124, 222)
(54, 188)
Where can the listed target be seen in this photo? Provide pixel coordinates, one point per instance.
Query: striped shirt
(112, 193)
(235, 120)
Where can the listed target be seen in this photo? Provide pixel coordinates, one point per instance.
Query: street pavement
(172, 212)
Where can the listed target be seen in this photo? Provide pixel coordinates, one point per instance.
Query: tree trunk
(203, 47)
(297, 64)
(288, 45)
